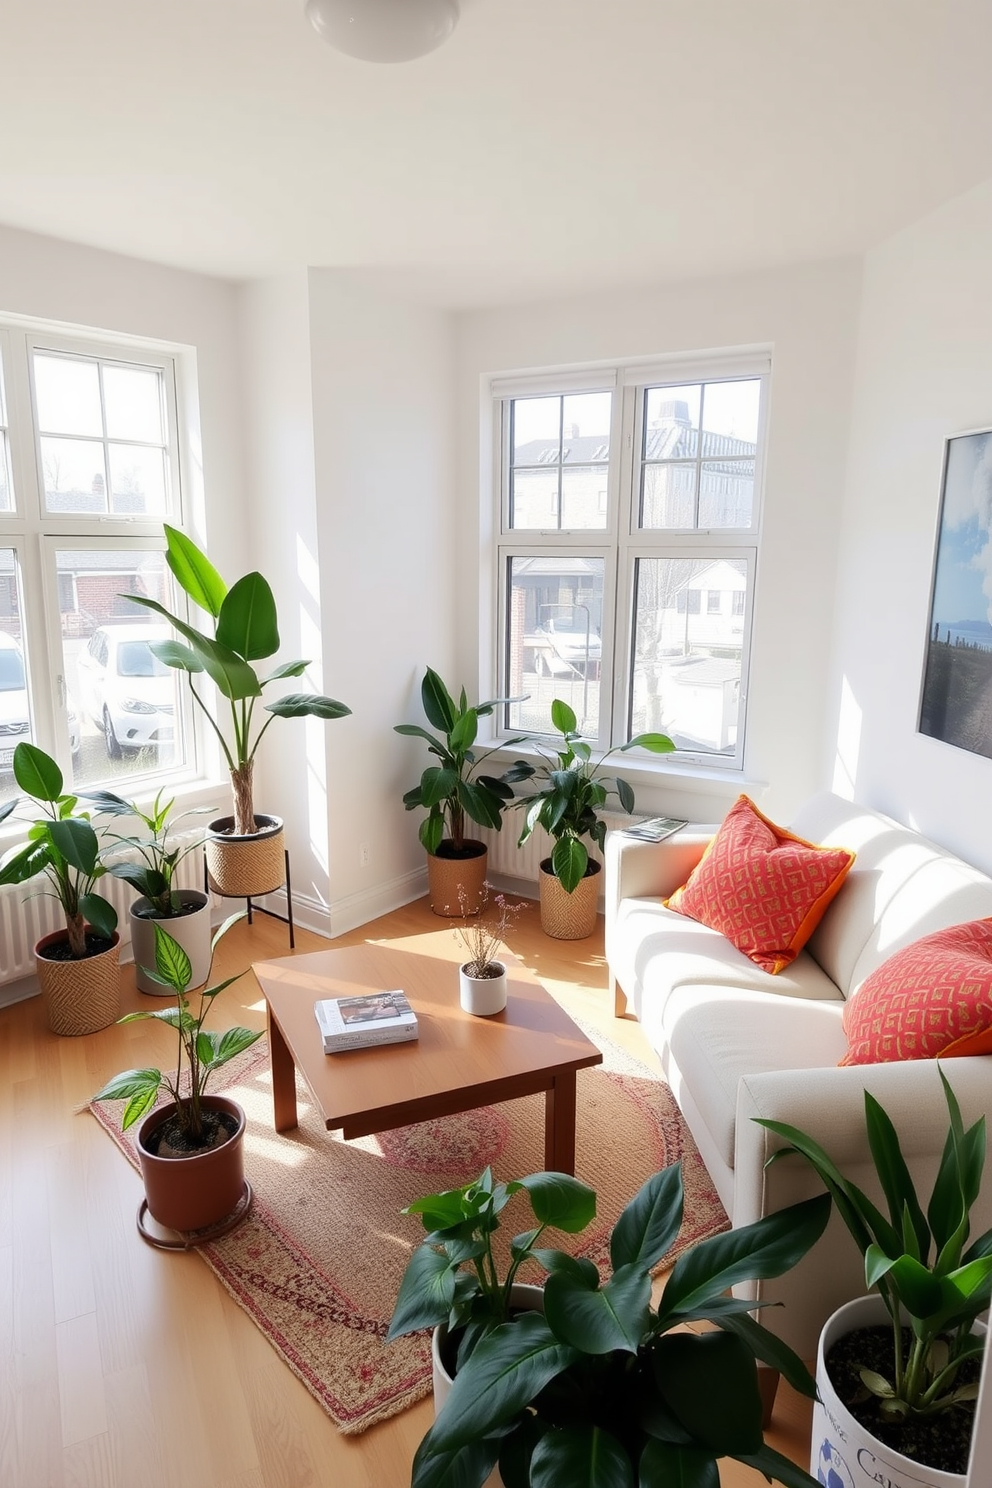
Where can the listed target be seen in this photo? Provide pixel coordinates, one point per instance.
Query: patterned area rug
(317, 1264)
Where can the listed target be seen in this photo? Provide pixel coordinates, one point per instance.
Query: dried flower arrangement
(482, 936)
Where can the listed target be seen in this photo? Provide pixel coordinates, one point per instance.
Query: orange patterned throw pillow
(933, 997)
(762, 887)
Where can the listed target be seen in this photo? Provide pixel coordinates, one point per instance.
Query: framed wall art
(956, 698)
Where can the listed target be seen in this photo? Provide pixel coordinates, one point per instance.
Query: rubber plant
(572, 792)
(245, 630)
(62, 845)
(453, 789)
(606, 1389)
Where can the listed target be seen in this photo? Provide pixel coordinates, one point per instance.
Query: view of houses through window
(88, 469)
(629, 528)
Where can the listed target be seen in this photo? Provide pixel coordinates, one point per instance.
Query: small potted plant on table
(897, 1371)
(78, 966)
(245, 854)
(189, 1151)
(482, 978)
(602, 1377)
(451, 792)
(150, 868)
(571, 791)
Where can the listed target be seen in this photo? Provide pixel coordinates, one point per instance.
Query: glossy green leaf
(99, 913)
(437, 785)
(649, 1225)
(77, 842)
(893, 1174)
(138, 1106)
(233, 676)
(467, 1467)
(560, 1201)
(193, 571)
(656, 743)
(626, 795)
(36, 773)
(480, 805)
(865, 1222)
(432, 831)
(439, 706)
(105, 803)
(563, 717)
(247, 620)
(694, 1370)
(569, 859)
(288, 669)
(665, 1466)
(171, 961)
(599, 1319)
(174, 654)
(308, 705)
(581, 1457)
(770, 1350)
(222, 930)
(426, 1293)
(462, 734)
(128, 1083)
(234, 1041)
(24, 862)
(558, 1260)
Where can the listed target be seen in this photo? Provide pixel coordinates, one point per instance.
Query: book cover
(655, 829)
(358, 1022)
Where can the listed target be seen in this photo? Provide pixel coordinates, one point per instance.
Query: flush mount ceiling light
(384, 30)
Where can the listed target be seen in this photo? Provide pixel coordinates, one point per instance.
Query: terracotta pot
(569, 916)
(841, 1446)
(191, 931)
(190, 1193)
(446, 875)
(80, 996)
(482, 996)
(245, 867)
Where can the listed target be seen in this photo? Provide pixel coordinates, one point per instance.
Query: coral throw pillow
(933, 997)
(760, 886)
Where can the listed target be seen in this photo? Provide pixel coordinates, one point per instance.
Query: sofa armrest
(828, 1104)
(640, 870)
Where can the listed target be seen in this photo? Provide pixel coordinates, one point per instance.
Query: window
(628, 537)
(89, 468)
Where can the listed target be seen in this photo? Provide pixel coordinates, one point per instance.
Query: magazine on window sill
(655, 829)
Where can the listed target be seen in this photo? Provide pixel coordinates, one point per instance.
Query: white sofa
(736, 1042)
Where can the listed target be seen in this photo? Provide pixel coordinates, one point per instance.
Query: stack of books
(361, 1022)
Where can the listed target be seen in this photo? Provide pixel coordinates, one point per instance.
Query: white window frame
(622, 542)
(35, 534)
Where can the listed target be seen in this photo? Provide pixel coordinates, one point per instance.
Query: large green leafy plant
(603, 1390)
(62, 845)
(453, 1278)
(572, 792)
(154, 858)
(246, 630)
(920, 1263)
(200, 1053)
(453, 789)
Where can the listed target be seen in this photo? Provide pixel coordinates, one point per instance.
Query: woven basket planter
(569, 916)
(445, 876)
(80, 996)
(245, 867)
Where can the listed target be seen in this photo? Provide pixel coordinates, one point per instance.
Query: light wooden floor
(121, 1366)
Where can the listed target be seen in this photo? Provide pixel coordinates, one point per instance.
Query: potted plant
(452, 791)
(77, 967)
(482, 978)
(898, 1371)
(566, 804)
(190, 1150)
(603, 1387)
(245, 855)
(150, 867)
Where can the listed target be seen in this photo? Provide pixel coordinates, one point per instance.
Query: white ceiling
(550, 146)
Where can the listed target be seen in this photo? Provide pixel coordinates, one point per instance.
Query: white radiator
(523, 863)
(24, 920)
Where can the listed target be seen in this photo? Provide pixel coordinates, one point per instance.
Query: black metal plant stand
(287, 919)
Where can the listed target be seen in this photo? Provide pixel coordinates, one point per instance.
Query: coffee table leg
(559, 1124)
(283, 1076)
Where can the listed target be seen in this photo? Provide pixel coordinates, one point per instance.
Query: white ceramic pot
(192, 931)
(843, 1452)
(482, 996)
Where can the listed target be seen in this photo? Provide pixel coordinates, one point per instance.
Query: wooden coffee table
(458, 1063)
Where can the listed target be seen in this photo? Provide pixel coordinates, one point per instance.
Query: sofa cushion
(656, 950)
(934, 997)
(762, 887)
(716, 1039)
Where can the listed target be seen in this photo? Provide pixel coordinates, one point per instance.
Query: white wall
(924, 371)
(808, 315)
(383, 439)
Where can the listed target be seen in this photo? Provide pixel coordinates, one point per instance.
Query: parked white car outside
(127, 691)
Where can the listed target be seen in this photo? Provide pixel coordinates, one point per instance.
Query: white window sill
(187, 795)
(638, 767)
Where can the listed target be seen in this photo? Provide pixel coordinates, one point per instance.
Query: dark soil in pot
(942, 1441)
(469, 849)
(177, 914)
(169, 1139)
(59, 951)
(592, 867)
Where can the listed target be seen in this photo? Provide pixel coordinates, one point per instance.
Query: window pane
(726, 493)
(67, 391)
(128, 704)
(555, 615)
(536, 425)
(534, 498)
(15, 722)
(562, 440)
(133, 402)
(75, 477)
(583, 496)
(137, 480)
(731, 409)
(671, 422)
(668, 496)
(688, 646)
